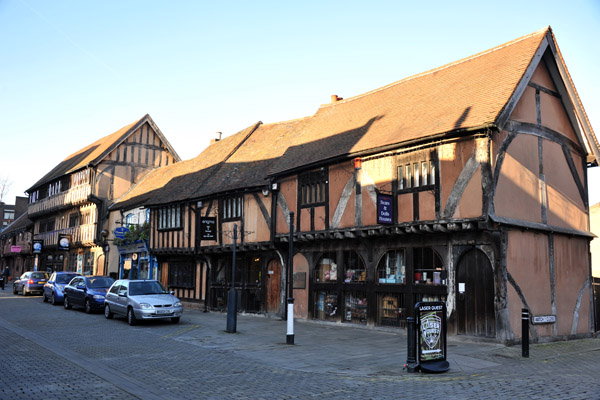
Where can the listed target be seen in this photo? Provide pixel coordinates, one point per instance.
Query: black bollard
(411, 345)
(525, 332)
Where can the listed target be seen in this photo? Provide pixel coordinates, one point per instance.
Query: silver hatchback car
(141, 300)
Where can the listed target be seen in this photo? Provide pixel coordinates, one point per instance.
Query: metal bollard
(411, 357)
(525, 332)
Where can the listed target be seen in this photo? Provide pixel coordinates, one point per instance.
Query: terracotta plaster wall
(405, 207)
(471, 201)
(572, 269)
(528, 262)
(517, 192)
(254, 221)
(288, 189)
(452, 158)
(526, 109)
(227, 232)
(542, 77)
(376, 174)
(122, 181)
(565, 205)
(339, 177)
(426, 206)
(301, 295)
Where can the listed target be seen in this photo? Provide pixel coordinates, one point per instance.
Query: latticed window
(169, 217)
(232, 207)
(313, 188)
(181, 275)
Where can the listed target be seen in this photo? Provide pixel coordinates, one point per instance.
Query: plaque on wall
(299, 280)
(208, 228)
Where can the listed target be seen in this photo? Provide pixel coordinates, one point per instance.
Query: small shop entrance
(475, 295)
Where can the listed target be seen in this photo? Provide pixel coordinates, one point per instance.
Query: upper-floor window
(131, 219)
(169, 217)
(80, 178)
(313, 188)
(47, 225)
(9, 214)
(73, 220)
(232, 207)
(416, 174)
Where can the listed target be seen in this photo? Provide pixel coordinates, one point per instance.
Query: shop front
(136, 262)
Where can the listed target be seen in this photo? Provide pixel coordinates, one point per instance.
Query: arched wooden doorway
(475, 295)
(274, 287)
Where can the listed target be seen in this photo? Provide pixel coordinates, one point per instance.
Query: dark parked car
(141, 300)
(30, 282)
(87, 292)
(53, 289)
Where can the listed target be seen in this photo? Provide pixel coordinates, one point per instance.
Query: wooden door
(475, 295)
(274, 287)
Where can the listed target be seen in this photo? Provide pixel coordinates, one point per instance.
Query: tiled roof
(181, 181)
(467, 94)
(22, 222)
(95, 152)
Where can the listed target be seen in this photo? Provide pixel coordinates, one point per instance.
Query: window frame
(170, 218)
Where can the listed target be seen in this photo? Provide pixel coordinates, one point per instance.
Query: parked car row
(137, 300)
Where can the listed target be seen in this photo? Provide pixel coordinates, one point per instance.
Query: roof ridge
(440, 68)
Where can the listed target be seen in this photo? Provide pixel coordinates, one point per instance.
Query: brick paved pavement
(72, 355)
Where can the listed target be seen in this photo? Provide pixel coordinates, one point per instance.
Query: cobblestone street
(52, 353)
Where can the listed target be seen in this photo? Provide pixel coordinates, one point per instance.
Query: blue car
(30, 282)
(53, 289)
(87, 292)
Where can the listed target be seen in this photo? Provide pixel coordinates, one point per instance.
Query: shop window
(327, 269)
(327, 305)
(354, 268)
(355, 308)
(428, 266)
(181, 275)
(392, 267)
(391, 310)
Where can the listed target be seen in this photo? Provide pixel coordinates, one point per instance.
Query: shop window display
(354, 268)
(355, 308)
(327, 269)
(429, 268)
(327, 305)
(392, 267)
(391, 310)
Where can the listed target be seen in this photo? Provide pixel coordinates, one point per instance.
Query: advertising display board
(431, 336)
(64, 242)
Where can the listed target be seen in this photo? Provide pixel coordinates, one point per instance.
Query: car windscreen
(64, 278)
(100, 282)
(142, 288)
(39, 275)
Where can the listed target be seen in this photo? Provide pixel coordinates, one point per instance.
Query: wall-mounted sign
(64, 242)
(120, 232)
(208, 228)
(385, 209)
(299, 280)
(544, 319)
(431, 336)
(38, 246)
(15, 249)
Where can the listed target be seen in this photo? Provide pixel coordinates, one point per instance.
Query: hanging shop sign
(63, 242)
(208, 228)
(120, 232)
(384, 209)
(38, 245)
(431, 336)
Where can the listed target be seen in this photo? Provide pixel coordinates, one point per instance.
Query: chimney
(335, 98)
(212, 141)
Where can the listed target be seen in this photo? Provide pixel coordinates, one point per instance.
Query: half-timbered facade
(465, 184)
(69, 205)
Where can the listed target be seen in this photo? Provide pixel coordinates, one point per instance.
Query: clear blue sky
(74, 71)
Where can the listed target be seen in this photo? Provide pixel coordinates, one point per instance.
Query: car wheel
(175, 320)
(66, 303)
(88, 306)
(131, 320)
(44, 298)
(53, 300)
(107, 313)
(14, 290)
